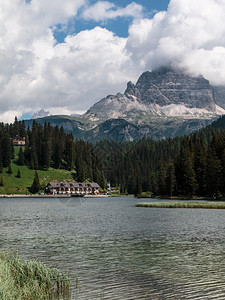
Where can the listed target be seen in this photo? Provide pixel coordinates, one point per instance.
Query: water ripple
(112, 250)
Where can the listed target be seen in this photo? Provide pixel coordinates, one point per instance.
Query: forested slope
(189, 165)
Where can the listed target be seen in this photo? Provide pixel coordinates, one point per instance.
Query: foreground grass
(209, 205)
(30, 280)
(14, 185)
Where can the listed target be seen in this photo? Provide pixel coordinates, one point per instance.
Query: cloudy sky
(64, 55)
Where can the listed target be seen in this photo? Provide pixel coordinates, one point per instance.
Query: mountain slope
(164, 92)
(163, 103)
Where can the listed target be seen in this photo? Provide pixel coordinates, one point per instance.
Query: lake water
(114, 250)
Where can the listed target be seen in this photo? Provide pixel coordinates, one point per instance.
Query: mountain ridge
(163, 103)
(164, 92)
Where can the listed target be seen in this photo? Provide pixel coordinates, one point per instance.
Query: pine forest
(192, 165)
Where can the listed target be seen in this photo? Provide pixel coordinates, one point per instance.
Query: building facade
(19, 142)
(61, 188)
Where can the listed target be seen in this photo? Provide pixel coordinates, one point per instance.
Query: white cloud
(36, 72)
(190, 35)
(104, 10)
(86, 67)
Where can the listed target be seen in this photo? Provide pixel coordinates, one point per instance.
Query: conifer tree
(36, 184)
(186, 176)
(16, 128)
(138, 187)
(131, 184)
(47, 146)
(1, 181)
(33, 149)
(57, 148)
(70, 152)
(18, 174)
(200, 166)
(6, 150)
(170, 179)
(214, 173)
(1, 165)
(161, 178)
(20, 160)
(101, 180)
(9, 169)
(22, 129)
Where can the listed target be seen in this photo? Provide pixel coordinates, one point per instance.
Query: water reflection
(118, 251)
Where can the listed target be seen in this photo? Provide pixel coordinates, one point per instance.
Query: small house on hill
(60, 188)
(18, 141)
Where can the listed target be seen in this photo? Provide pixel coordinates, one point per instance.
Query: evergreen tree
(200, 165)
(131, 184)
(214, 173)
(101, 180)
(22, 129)
(20, 160)
(1, 181)
(1, 165)
(154, 186)
(6, 149)
(16, 128)
(161, 178)
(170, 179)
(47, 146)
(138, 187)
(57, 148)
(36, 184)
(18, 174)
(34, 143)
(70, 152)
(9, 169)
(186, 176)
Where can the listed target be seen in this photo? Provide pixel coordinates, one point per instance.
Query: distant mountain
(164, 92)
(40, 114)
(163, 103)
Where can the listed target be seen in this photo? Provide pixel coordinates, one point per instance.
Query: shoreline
(50, 196)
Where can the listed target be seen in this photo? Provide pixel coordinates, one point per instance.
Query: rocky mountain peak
(163, 103)
(167, 86)
(162, 92)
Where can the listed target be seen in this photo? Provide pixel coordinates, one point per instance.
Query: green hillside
(15, 185)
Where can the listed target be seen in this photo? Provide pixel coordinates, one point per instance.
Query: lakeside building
(61, 188)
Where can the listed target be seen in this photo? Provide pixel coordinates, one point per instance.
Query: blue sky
(119, 25)
(64, 56)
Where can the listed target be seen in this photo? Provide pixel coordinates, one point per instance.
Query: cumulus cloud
(36, 72)
(85, 67)
(189, 35)
(104, 10)
(26, 43)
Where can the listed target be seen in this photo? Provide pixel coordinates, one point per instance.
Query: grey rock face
(219, 92)
(166, 86)
(154, 93)
(163, 103)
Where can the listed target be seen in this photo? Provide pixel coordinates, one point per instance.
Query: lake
(114, 250)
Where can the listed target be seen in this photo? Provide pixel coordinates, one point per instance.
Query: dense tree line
(48, 146)
(190, 165)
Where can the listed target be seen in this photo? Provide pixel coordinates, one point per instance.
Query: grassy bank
(209, 205)
(15, 185)
(30, 280)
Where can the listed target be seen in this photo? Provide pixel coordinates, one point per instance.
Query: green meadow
(15, 185)
(209, 205)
